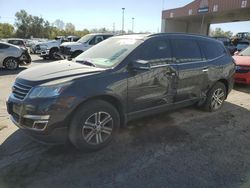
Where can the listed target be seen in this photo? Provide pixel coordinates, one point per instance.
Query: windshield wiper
(88, 63)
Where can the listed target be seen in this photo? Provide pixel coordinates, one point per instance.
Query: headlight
(45, 91)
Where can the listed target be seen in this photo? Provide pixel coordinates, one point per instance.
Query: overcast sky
(99, 13)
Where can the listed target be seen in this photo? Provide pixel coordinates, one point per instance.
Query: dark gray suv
(125, 77)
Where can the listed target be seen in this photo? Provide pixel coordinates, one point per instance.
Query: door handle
(170, 73)
(205, 70)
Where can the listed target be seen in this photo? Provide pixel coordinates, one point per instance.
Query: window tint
(212, 50)
(16, 42)
(96, 40)
(106, 36)
(186, 50)
(156, 49)
(3, 46)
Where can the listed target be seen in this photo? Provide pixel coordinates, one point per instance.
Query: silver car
(12, 56)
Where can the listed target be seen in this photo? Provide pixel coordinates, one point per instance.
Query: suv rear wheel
(11, 63)
(93, 126)
(215, 97)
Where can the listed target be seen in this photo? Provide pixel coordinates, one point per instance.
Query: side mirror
(140, 65)
(236, 53)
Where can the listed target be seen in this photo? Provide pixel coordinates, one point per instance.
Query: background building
(197, 16)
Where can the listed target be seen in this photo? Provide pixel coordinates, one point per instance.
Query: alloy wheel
(97, 128)
(217, 99)
(11, 64)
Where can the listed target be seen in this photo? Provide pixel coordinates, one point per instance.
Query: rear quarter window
(212, 50)
(16, 42)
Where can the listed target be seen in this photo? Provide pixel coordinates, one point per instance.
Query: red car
(242, 60)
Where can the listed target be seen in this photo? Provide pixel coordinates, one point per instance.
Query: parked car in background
(242, 61)
(16, 41)
(72, 38)
(243, 35)
(73, 49)
(11, 56)
(242, 45)
(35, 48)
(119, 79)
(35, 45)
(49, 49)
(227, 43)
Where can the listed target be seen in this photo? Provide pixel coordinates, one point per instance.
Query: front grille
(20, 90)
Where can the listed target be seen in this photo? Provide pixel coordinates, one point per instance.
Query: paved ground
(185, 148)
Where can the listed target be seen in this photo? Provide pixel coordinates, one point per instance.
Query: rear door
(217, 58)
(191, 68)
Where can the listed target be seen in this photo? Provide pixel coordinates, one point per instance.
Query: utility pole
(123, 9)
(163, 4)
(114, 27)
(133, 19)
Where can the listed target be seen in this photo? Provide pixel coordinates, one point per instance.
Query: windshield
(245, 52)
(85, 38)
(110, 52)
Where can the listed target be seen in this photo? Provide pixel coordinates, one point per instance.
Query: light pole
(123, 20)
(133, 19)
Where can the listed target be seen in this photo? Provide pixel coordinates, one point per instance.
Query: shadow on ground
(242, 88)
(4, 72)
(186, 148)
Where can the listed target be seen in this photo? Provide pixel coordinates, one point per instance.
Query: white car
(73, 49)
(50, 48)
(11, 56)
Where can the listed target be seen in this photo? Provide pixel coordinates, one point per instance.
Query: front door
(154, 87)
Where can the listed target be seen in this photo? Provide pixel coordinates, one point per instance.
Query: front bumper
(42, 119)
(242, 78)
(44, 53)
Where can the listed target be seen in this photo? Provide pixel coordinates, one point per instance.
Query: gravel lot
(186, 148)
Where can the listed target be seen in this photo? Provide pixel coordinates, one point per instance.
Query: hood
(242, 60)
(72, 44)
(50, 42)
(57, 70)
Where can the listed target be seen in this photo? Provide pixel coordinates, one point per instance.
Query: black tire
(11, 63)
(52, 53)
(215, 97)
(84, 132)
(75, 54)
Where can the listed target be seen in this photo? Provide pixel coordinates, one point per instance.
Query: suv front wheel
(93, 126)
(215, 97)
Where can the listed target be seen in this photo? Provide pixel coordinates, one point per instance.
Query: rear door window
(4, 46)
(212, 50)
(186, 50)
